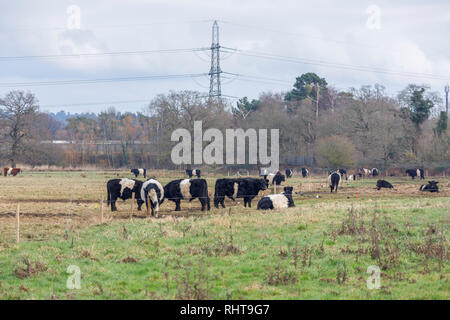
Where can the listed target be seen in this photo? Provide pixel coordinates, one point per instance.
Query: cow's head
(263, 183)
(288, 190)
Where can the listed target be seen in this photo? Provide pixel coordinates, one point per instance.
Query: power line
(93, 27)
(88, 81)
(100, 54)
(270, 56)
(94, 103)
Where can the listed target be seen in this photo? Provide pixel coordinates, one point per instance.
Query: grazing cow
(123, 189)
(431, 186)
(288, 173)
(365, 172)
(249, 189)
(333, 181)
(375, 172)
(275, 178)
(11, 171)
(195, 172)
(139, 171)
(352, 177)
(305, 172)
(277, 201)
(152, 190)
(415, 173)
(384, 184)
(225, 187)
(187, 189)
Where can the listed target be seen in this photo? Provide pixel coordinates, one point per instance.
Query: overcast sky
(336, 37)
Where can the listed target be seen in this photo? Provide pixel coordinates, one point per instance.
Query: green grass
(320, 249)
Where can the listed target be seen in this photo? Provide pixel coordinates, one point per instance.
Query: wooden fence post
(18, 223)
(101, 210)
(132, 205)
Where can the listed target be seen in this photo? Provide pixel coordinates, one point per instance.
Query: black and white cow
(343, 173)
(289, 173)
(305, 172)
(152, 190)
(276, 178)
(249, 188)
(375, 172)
(364, 172)
(225, 188)
(352, 177)
(123, 189)
(384, 184)
(415, 173)
(333, 180)
(431, 186)
(277, 201)
(187, 189)
(194, 172)
(139, 171)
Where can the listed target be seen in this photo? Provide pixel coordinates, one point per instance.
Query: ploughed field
(320, 249)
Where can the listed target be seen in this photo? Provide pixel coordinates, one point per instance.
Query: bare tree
(18, 111)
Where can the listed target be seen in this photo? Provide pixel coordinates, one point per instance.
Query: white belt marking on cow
(141, 171)
(185, 188)
(279, 201)
(236, 188)
(270, 176)
(9, 172)
(418, 172)
(126, 183)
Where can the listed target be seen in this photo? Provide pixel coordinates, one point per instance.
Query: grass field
(321, 249)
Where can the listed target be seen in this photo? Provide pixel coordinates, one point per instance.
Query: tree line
(335, 128)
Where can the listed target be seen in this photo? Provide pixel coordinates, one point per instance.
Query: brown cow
(11, 171)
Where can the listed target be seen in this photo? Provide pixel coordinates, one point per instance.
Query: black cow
(305, 172)
(333, 180)
(415, 173)
(187, 189)
(139, 171)
(384, 184)
(375, 172)
(195, 172)
(123, 189)
(225, 188)
(431, 186)
(277, 201)
(288, 173)
(152, 190)
(249, 188)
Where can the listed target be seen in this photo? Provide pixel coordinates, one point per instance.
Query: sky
(350, 44)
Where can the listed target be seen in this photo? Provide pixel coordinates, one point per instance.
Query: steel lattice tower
(214, 72)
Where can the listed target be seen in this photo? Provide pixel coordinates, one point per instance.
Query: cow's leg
(113, 204)
(202, 201)
(177, 205)
(249, 201)
(140, 203)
